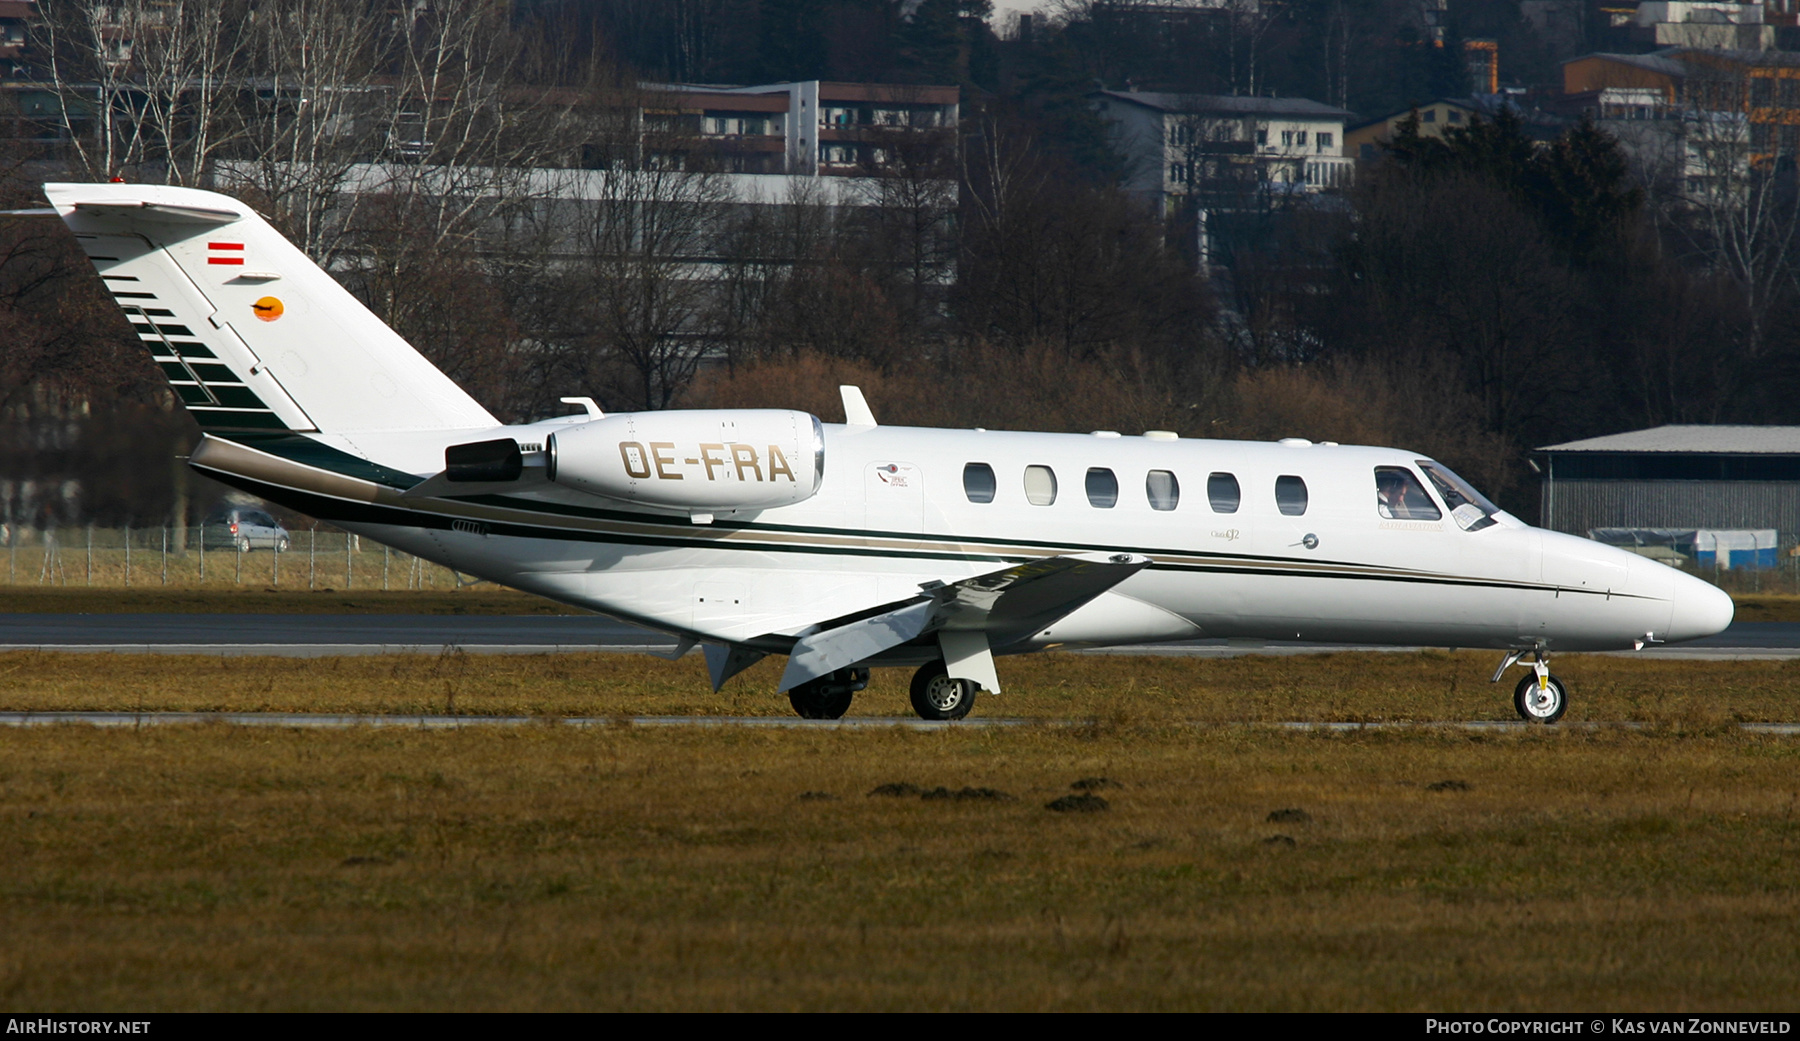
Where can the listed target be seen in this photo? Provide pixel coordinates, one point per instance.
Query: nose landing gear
(1539, 697)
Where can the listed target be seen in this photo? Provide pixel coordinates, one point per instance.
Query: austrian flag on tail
(225, 253)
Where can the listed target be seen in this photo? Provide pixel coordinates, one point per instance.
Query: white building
(1701, 24)
(1175, 145)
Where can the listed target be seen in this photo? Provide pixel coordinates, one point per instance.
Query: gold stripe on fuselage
(232, 458)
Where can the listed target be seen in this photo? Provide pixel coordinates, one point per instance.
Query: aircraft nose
(1700, 609)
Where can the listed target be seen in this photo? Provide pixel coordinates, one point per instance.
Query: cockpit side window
(1400, 496)
(1468, 508)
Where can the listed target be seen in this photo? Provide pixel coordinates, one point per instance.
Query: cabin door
(893, 498)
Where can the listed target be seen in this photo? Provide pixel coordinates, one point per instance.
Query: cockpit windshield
(1468, 507)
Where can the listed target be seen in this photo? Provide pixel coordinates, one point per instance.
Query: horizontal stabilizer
(158, 211)
(1001, 607)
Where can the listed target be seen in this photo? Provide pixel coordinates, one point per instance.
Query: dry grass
(624, 867)
(1767, 607)
(1427, 685)
(627, 868)
(73, 565)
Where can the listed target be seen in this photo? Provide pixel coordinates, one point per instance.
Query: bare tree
(318, 111)
(162, 78)
(911, 195)
(1739, 216)
(639, 290)
(469, 141)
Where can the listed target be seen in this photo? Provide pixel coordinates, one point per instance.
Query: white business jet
(755, 532)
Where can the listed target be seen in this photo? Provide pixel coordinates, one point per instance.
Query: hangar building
(1668, 477)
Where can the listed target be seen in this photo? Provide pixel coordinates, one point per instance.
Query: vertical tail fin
(249, 331)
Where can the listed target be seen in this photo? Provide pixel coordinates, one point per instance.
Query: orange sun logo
(267, 309)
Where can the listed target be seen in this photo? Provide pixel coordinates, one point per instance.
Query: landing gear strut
(1539, 697)
(938, 697)
(828, 697)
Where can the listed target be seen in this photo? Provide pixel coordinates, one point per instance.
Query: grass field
(1353, 687)
(623, 867)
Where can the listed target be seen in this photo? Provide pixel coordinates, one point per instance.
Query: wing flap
(971, 616)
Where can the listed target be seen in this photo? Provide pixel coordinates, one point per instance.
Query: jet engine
(712, 460)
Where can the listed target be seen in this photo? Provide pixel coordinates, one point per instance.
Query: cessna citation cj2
(755, 532)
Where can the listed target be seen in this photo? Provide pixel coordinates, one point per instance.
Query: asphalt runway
(324, 635)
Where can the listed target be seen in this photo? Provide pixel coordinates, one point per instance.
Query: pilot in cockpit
(1399, 497)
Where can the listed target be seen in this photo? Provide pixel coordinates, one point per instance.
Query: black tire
(243, 544)
(816, 704)
(1546, 709)
(936, 696)
(281, 546)
(828, 697)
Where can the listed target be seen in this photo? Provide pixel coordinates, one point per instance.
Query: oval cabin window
(1162, 489)
(1223, 493)
(978, 482)
(1102, 488)
(1040, 485)
(1290, 495)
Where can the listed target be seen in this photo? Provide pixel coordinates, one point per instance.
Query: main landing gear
(1539, 697)
(936, 696)
(828, 697)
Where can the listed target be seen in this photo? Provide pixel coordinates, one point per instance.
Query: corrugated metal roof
(1209, 104)
(1695, 438)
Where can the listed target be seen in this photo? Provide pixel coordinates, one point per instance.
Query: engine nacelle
(703, 461)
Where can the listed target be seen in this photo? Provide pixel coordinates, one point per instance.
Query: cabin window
(1290, 495)
(1040, 485)
(1400, 496)
(978, 482)
(1102, 488)
(1222, 491)
(1162, 489)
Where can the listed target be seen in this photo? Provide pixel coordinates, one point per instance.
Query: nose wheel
(1541, 700)
(1539, 697)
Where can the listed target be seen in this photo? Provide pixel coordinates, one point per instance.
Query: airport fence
(164, 555)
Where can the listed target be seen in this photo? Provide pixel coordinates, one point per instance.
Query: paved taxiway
(321, 635)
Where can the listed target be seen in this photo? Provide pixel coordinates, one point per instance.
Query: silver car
(244, 528)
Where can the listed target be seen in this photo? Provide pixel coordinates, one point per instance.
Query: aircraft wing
(969, 617)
